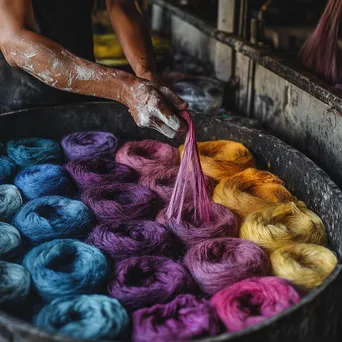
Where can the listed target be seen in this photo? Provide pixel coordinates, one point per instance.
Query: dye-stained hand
(155, 106)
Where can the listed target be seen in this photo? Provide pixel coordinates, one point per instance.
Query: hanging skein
(121, 202)
(134, 238)
(10, 201)
(144, 156)
(10, 241)
(100, 171)
(305, 265)
(282, 225)
(31, 151)
(252, 301)
(89, 145)
(15, 285)
(223, 158)
(250, 191)
(44, 180)
(184, 318)
(320, 52)
(139, 282)
(7, 170)
(218, 263)
(93, 317)
(66, 267)
(51, 217)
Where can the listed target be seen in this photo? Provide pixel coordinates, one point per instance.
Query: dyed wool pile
(144, 241)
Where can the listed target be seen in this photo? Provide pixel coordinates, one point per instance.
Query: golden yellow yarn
(223, 158)
(305, 265)
(250, 191)
(283, 224)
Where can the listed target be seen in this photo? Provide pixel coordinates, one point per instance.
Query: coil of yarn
(10, 241)
(250, 191)
(10, 202)
(144, 156)
(89, 145)
(121, 202)
(99, 171)
(218, 263)
(51, 217)
(44, 180)
(134, 238)
(190, 231)
(31, 151)
(282, 225)
(7, 170)
(183, 319)
(15, 285)
(85, 317)
(143, 281)
(66, 267)
(223, 158)
(305, 265)
(251, 301)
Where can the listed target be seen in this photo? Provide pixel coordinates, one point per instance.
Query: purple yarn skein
(182, 319)
(143, 281)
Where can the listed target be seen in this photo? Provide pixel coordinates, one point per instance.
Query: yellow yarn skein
(250, 191)
(305, 265)
(283, 224)
(223, 158)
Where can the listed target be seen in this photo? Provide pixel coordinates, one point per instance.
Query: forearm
(133, 35)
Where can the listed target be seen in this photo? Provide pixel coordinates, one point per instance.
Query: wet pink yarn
(254, 300)
(100, 171)
(144, 156)
(218, 263)
(121, 202)
(138, 282)
(134, 238)
(182, 319)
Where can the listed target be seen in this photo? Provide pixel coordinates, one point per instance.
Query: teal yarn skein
(10, 241)
(7, 170)
(66, 267)
(31, 151)
(85, 317)
(53, 217)
(10, 201)
(44, 180)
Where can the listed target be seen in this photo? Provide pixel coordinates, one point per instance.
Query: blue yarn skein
(10, 241)
(15, 284)
(10, 201)
(52, 217)
(85, 317)
(7, 170)
(31, 151)
(66, 267)
(44, 180)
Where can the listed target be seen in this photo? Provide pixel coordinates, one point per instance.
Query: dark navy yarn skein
(31, 151)
(10, 201)
(51, 217)
(85, 317)
(10, 241)
(66, 267)
(7, 170)
(44, 180)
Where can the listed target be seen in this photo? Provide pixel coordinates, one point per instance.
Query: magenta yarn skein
(182, 319)
(144, 156)
(251, 301)
(223, 224)
(121, 202)
(134, 238)
(218, 263)
(100, 171)
(143, 281)
(89, 145)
